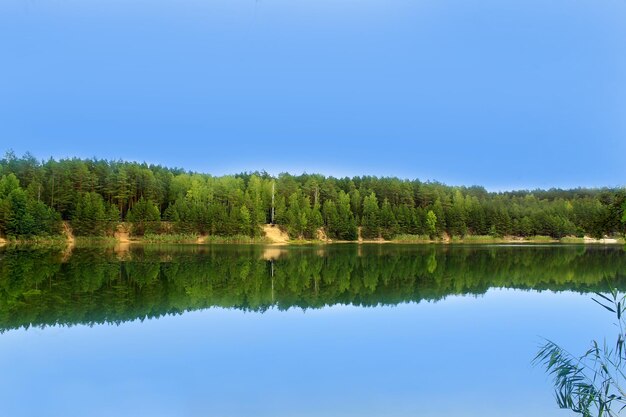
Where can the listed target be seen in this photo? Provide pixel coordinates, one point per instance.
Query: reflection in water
(96, 285)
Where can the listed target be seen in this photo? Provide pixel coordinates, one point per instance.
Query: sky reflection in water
(462, 356)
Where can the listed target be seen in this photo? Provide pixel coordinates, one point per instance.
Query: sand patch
(588, 239)
(69, 235)
(321, 235)
(275, 235)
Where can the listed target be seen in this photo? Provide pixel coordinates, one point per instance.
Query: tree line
(94, 195)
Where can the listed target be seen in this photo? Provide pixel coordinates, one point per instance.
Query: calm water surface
(344, 330)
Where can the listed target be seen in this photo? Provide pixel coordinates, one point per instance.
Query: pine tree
(145, 217)
(347, 229)
(370, 220)
(331, 218)
(440, 216)
(315, 221)
(456, 220)
(90, 216)
(431, 224)
(388, 223)
(245, 221)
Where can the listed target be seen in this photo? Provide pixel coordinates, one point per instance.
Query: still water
(343, 330)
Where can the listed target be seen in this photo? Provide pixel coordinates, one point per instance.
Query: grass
(170, 238)
(480, 239)
(540, 239)
(197, 239)
(235, 239)
(306, 242)
(82, 241)
(473, 239)
(189, 238)
(412, 239)
(46, 242)
(571, 239)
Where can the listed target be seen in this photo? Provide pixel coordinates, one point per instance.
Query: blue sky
(513, 94)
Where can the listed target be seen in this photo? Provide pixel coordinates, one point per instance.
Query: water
(343, 330)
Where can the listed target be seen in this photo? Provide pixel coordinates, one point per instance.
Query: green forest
(96, 285)
(95, 195)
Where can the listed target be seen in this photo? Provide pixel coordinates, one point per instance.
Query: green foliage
(431, 224)
(479, 239)
(457, 216)
(315, 221)
(144, 217)
(440, 216)
(339, 220)
(388, 223)
(302, 219)
(240, 204)
(170, 238)
(412, 238)
(297, 216)
(370, 220)
(21, 215)
(245, 221)
(8, 183)
(591, 385)
(92, 218)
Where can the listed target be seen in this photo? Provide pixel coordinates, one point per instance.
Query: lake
(335, 330)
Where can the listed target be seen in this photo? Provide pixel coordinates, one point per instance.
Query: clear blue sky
(506, 94)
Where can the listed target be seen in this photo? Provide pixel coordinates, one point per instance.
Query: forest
(95, 195)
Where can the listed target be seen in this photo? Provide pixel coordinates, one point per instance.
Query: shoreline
(198, 240)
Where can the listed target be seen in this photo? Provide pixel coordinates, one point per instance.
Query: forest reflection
(104, 285)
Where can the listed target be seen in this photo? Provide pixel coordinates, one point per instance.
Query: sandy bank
(275, 235)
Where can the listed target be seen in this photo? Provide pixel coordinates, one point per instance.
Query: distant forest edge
(94, 196)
